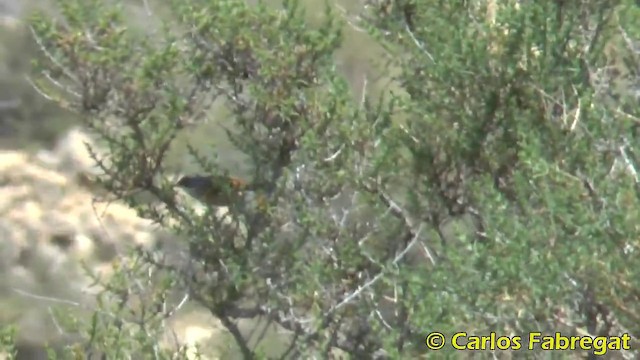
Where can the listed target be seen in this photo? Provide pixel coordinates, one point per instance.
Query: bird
(218, 190)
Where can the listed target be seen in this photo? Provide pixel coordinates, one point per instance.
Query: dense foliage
(494, 189)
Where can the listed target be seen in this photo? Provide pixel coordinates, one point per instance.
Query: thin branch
(179, 306)
(363, 98)
(40, 91)
(46, 298)
(52, 58)
(630, 166)
(417, 43)
(55, 82)
(247, 353)
(334, 155)
(55, 322)
(427, 252)
(376, 278)
(393, 207)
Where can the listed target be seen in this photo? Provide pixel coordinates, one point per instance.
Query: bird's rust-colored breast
(237, 183)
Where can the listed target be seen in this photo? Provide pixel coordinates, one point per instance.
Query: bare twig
(363, 96)
(178, 306)
(334, 155)
(60, 86)
(52, 58)
(393, 207)
(376, 278)
(417, 42)
(46, 298)
(55, 321)
(630, 166)
(40, 91)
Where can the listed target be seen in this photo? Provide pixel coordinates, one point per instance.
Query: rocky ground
(50, 225)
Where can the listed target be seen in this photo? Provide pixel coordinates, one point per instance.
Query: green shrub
(495, 192)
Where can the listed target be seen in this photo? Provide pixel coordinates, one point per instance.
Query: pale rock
(73, 153)
(195, 330)
(83, 246)
(50, 224)
(144, 240)
(9, 159)
(194, 335)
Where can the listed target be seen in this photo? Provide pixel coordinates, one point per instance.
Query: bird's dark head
(184, 181)
(191, 182)
(197, 186)
(213, 190)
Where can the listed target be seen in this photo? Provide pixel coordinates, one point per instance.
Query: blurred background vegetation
(29, 121)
